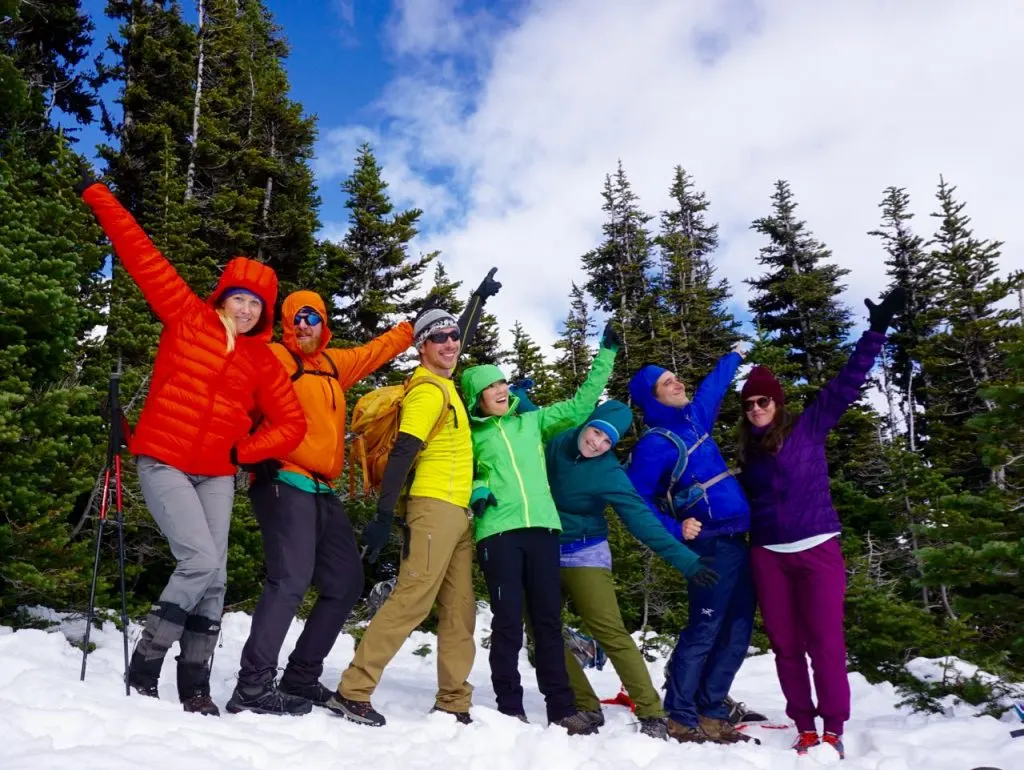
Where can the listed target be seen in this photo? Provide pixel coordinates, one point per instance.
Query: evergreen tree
(526, 361)
(797, 301)
(619, 280)
(575, 356)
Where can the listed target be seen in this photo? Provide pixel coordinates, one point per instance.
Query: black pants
(307, 538)
(521, 568)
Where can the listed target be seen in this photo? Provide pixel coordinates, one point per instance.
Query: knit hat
(761, 382)
(607, 428)
(232, 290)
(429, 322)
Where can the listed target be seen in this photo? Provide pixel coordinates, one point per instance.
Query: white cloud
(841, 99)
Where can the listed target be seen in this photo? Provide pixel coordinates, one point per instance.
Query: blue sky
(500, 120)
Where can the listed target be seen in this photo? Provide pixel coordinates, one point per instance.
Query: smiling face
(593, 442)
(309, 327)
(244, 309)
(760, 410)
(494, 399)
(440, 351)
(670, 391)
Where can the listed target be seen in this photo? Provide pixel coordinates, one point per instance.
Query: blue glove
(518, 389)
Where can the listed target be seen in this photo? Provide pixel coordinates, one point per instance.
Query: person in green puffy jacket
(586, 477)
(517, 525)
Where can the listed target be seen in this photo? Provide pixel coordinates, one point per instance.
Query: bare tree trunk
(268, 193)
(945, 603)
(190, 176)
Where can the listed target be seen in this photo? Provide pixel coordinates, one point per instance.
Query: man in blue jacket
(678, 470)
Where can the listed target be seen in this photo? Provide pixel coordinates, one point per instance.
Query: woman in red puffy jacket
(213, 369)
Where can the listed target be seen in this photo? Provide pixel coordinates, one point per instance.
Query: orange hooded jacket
(322, 452)
(201, 397)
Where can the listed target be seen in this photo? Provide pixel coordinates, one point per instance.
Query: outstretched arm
(356, 363)
(474, 308)
(572, 412)
(841, 392)
(709, 395)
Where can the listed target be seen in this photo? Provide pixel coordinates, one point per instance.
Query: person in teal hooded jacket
(516, 527)
(586, 477)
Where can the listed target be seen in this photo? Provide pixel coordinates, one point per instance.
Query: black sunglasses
(311, 317)
(439, 338)
(761, 402)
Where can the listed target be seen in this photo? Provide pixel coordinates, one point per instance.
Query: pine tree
(619, 278)
(699, 327)
(575, 355)
(797, 301)
(526, 361)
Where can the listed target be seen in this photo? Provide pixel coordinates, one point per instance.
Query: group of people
(525, 487)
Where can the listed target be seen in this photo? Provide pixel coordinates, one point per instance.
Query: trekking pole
(112, 493)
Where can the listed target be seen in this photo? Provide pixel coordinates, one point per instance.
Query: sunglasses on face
(439, 338)
(311, 317)
(761, 402)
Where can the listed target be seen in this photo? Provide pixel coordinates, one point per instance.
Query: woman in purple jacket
(796, 560)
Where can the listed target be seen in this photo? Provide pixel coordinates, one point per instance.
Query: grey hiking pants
(194, 514)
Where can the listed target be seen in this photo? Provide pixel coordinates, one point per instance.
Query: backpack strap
(300, 369)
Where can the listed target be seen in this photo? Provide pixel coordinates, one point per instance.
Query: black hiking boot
(315, 693)
(654, 727)
(462, 717)
(577, 724)
(360, 712)
(596, 717)
(740, 714)
(144, 675)
(201, 703)
(267, 699)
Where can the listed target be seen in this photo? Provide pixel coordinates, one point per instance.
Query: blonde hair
(229, 328)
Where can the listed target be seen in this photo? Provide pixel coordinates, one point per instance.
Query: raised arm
(712, 389)
(572, 412)
(165, 291)
(474, 308)
(840, 393)
(356, 363)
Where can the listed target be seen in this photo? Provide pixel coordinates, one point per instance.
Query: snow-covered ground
(49, 719)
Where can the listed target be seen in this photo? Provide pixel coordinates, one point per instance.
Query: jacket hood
(475, 380)
(253, 276)
(292, 304)
(641, 393)
(613, 412)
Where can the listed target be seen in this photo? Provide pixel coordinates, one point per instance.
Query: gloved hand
(488, 287)
(610, 338)
(740, 347)
(705, 577)
(368, 318)
(881, 315)
(85, 179)
(375, 535)
(524, 384)
(263, 470)
(482, 499)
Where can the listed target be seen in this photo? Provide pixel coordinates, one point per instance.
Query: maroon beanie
(761, 382)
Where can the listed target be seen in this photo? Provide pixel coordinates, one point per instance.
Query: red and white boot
(836, 742)
(806, 740)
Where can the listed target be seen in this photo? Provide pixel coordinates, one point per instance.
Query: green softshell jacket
(508, 451)
(582, 488)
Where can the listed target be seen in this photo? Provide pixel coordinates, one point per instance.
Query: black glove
(610, 339)
(881, 315)
(262, 470)
(368, 318)
(85, 179)
(705, 577)
(480, 505)
(488, 287)
(375, 536)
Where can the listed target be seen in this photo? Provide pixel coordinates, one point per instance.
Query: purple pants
(801, 596)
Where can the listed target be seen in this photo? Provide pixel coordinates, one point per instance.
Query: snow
(49, 719)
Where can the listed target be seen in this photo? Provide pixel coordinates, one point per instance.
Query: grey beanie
(431, 321)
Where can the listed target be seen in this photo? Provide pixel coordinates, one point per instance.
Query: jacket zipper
(519, 478)
(428, 553)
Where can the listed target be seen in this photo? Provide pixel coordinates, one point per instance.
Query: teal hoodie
(508, 451)
(582, 488)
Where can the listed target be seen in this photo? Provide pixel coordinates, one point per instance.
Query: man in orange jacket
(307, 537)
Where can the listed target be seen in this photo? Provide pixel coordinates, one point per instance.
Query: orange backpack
(374, 425)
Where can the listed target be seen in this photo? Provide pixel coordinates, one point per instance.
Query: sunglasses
(761, 402)
(439, 338)
(311, 317)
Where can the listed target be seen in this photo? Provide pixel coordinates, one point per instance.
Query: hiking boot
(806, 740)
(576, 724)
(462, 717)
(685, 733)
(836, 742)
(315, 693)
(740, 714)
(201, 703)
(360, 712)
(266, 698)
(144, 675)
(654, 727)
(596, 717)
(518, 715)
(722, 731)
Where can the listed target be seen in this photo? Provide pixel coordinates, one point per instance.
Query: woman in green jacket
(586, 478)
(516, 528)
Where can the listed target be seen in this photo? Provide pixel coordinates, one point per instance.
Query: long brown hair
(751, 444)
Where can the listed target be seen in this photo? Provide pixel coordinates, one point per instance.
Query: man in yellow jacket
(307, 537)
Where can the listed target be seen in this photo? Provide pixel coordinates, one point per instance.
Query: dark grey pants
(307, 540)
